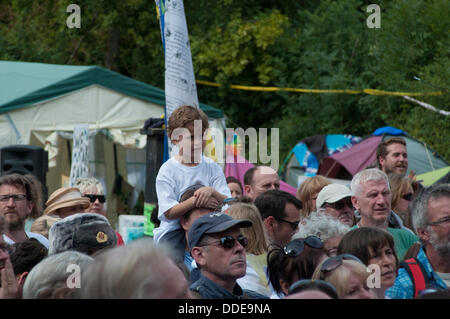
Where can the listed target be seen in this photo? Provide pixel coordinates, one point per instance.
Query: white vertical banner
(80, 165)
(180, 87)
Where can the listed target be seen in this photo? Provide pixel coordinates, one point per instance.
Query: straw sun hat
(65, 197)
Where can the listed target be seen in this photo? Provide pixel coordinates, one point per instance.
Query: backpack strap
(417, 274)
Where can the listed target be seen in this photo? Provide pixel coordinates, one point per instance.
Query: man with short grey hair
(431, 220)
(371, 196)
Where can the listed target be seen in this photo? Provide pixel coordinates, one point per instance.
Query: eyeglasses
(407, 197)
(229, 242)
(334, 262)
(444, 220)
(93, 198)
(306, 284)
(15, 197)
(293, 224)
(296, 247)
(341, 204)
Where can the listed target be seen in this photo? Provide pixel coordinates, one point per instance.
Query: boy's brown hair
(185, 115)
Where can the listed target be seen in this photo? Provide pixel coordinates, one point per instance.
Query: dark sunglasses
(296, 247)
(341, 204)
(93, 198)
(408, 197)
(334, 262)
(229, 242)
(293, 224)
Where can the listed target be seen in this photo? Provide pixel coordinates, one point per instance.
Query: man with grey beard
(431, 220)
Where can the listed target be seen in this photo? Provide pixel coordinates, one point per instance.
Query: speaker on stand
(25, 159)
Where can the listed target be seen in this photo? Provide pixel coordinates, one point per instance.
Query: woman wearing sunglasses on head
(296, 261)
(92, 189)
(347, 274)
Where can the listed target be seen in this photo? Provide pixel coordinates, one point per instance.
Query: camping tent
(421, 158)
(303, 160)
(40, 103)
(437, 176)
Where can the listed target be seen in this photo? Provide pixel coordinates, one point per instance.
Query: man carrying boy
(186, 128)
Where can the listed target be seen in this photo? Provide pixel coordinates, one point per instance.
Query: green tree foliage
(295, 44)
(123, 36)
(416, 42)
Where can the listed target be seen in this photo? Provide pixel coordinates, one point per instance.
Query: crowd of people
(382, 236)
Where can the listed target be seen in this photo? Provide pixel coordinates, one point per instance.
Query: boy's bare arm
(219, 196)
(205, 194)
(180, 209)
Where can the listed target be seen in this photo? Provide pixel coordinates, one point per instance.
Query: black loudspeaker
(24, 159)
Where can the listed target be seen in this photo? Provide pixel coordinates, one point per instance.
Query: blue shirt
(403, 287)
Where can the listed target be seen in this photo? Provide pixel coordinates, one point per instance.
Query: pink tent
(237, 166)
(352, 160)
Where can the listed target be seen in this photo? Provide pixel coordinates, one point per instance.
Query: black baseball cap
(212, 223)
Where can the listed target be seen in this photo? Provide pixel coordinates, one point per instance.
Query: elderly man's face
(373, 200)
(341, 210)
(265, 178)
(439, 225)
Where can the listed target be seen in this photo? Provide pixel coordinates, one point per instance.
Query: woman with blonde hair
(92, 189)
(347, 274)
(257, 240)
(255, 278)
(402, 195)
(308, 191)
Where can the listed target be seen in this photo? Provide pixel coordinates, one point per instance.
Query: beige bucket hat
(65, 197)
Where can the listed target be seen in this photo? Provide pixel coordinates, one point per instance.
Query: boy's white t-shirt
(174, 179)
(42, 239)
